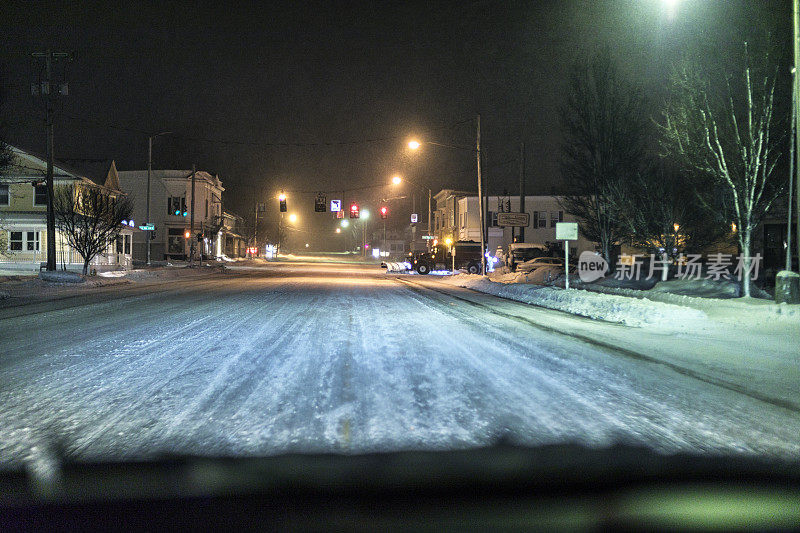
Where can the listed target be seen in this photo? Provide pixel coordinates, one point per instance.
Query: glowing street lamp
(292, 218)
(345, 223)
(338, 230)
(396, 180)
(413, 145)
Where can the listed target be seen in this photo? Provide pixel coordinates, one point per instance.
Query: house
(445, 213)
(23, 212)
(544, 213)
(170, 205)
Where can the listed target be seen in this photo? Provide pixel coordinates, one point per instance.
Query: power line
(236, 142)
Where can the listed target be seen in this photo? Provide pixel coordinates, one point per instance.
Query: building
(544, 213)
(445, 214)
(170, 205)
(23, 212)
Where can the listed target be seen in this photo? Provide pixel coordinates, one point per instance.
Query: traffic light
(354, 210)
(187, 234)
(282, 202)
(384, 211)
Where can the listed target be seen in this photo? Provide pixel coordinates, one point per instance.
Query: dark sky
(235, 82)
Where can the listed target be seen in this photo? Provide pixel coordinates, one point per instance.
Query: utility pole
(796, 19)
(480, 193)
(149, 172)
(255, 228)
(429, 219)
(788, 265)
(47, 92)
(192, 236)
(522, 187)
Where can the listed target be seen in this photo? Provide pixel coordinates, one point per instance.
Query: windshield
(227, 231)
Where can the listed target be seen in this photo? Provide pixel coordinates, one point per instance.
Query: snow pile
(612, 308)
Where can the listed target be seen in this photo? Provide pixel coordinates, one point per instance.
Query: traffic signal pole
(191, 222)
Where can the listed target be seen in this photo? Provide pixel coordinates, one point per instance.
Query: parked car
(519, 252)
(538, 262)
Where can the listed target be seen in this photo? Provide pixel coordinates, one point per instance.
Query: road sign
(319, 204)
(428, 237)
(147, 227)
(336, 206)
(517, 220)
(414, 218)
(262, 207)
(339, 214)
(567, 231)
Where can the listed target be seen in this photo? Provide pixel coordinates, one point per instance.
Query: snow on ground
(612, 308)
(323, 358)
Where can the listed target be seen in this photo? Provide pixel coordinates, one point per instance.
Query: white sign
(414, 218)
(428, 237)
(336, 205)
(518, 220)
(567, 231)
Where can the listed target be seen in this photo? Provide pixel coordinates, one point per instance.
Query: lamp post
(414, 145)
(397, 180)
(149, 171)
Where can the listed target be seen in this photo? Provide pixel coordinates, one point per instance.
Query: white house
(170, 211)
(544, 212)
(23, 212)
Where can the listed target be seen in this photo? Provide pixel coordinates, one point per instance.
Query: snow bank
(612, 308)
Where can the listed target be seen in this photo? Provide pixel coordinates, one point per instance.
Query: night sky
(347, 83)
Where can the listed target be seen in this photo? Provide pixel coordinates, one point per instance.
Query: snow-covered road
(302, 357)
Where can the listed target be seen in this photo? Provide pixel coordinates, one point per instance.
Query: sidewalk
(22, 290)
(750, 346)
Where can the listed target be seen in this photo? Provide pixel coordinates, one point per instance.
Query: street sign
(336, 206)
(428, 237)
(147, 227)
(319, 204)
(517, 220)
(414, 218)
(339, 214)
(567, 231)
(262, 207)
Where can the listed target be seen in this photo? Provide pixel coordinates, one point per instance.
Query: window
(493, 219)
(32, 241)
(15, 241)
(176, 204)
(175, 241)
(4, 196)
(539, 219)
(127, 245)
(40, 195)
(556, 216)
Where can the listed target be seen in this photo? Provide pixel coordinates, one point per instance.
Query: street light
(292, 218)
(396, 180)
(345, 223)
(414, 144)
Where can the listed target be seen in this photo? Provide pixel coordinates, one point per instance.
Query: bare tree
(730, 136)
(90, 218)
(661, 212)
(605, 125)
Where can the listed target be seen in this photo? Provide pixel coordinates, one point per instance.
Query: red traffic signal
(384, 211)
(354, 210)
